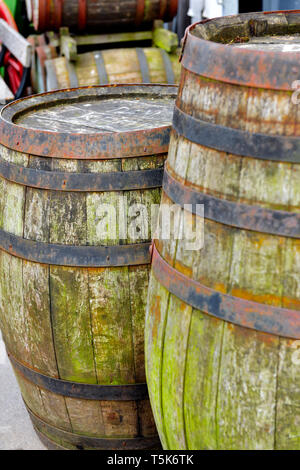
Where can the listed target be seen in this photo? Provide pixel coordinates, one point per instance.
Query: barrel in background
(72, 295)
(223, 322)
(90, 14)
(132, 65)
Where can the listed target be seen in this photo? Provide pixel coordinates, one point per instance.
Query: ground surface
(16, 432)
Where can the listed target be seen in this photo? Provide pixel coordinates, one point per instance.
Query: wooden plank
(15, 43)
(165, 39)
(5, 93)
(113, 38)
(68, 47)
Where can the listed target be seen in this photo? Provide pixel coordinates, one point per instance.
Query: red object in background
(13, 68)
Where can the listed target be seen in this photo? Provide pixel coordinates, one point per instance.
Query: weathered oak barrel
(223, 316)
(132, 65)
(90, 14)
(79, 171)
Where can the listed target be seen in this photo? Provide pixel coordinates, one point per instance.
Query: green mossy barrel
(92, 14)
(223, 318)
(77, 170)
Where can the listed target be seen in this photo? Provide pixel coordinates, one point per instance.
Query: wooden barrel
(72, 289)
(80, 15)
(134, 65)
(223, 319)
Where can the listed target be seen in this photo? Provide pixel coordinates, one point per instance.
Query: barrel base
(50, 445)
(57, 439)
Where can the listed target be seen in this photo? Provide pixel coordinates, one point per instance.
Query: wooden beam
(15, 43)
(113, 38)
(5, 93)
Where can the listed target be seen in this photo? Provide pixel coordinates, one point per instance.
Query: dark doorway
(246, 6)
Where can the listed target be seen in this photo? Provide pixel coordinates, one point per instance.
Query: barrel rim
(98, 146)
(253, 68)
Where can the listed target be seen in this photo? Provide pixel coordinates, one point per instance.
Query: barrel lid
(99, 122)
(252, 49)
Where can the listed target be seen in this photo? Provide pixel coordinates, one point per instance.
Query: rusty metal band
(72, 75)
(84, 182)
(51, 78)
(143, 65)
(140, 11)
(248, 314)
(96, 146)
(40, 19)
(268, 70)
(235, 141)
(77, 256)
(162, 8)
(101, 69)
(82, 14)
(82, 442)
(168, 67)
(58, 10)
(81, 390)
(173, 6)
(234, 214)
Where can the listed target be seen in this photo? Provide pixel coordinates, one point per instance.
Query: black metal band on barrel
(248, 314)
(77, 256)
(98, 57)
(168, 67)
(83, 442)
(237, 142)
(80, 390)
(243, 216)
(63, 181)
(143, 65)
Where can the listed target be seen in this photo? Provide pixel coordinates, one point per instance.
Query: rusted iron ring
(81, 390)
(96, 146)
(237, 142)
(64, 181)
(248, 314)
(253, 68)
(234, 214)
(77, 256)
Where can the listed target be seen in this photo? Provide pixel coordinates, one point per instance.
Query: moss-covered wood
(214, 385)
(78, 324)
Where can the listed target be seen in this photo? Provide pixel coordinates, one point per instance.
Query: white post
(230, 7)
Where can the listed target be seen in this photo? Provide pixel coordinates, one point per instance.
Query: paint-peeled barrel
(131, 65)
(81, 15)
(223, 317)
(79, 173)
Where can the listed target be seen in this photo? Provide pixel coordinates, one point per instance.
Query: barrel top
(287, 44)
(252, 49)
(91, 122)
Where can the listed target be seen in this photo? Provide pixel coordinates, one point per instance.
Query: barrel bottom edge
(57, 439)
